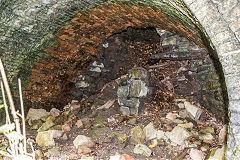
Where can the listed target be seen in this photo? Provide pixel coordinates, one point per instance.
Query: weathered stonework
(28, 27)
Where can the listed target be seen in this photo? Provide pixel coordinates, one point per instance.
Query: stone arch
(219, 21)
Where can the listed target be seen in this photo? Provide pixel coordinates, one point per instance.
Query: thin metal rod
(12, 107)
(5, 105)
(23, 117)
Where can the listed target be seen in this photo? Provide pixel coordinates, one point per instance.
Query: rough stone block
(198, 4)
(234, 106)
(227, 6)
(125, 110)
(202, 12)
(133, 111)
(123, 91)
(234, 93)
(228, 47)
(230, 62)
(232, 80)
(235, 12)
(212, 17)
(235, 25)
(221, 37)
(138, 89)
(234, 118)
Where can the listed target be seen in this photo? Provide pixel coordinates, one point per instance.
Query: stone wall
(28, 27)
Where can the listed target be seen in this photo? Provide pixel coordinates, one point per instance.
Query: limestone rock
(45, 138)
(132, 121)
(35, 114)
(217, 154)
(137, 135)
(125, 110)
(82, 140)
(57, 133)
(196, 154)
(150, 132)
(193, 110)
(79, 123)
(178, 135)
(160, 134)
(169, 41)
(206, 137)
(36, 124)
(45, 126)
(138, 89)
(81, 84)
(123, 91)
(222, 135)
(55, 112)
(171, 116)
(138, 73)
(142, 149)
(183, 113)
(131, 102)
(66, 127)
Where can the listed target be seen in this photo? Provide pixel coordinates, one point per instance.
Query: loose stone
(82, 140)
(142, 149)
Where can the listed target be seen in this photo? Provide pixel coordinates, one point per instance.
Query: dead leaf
(107, 105)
